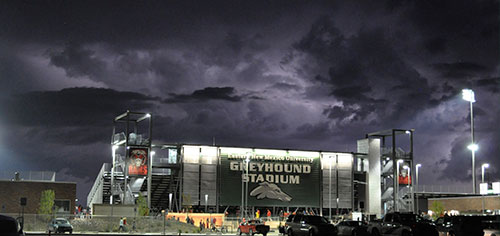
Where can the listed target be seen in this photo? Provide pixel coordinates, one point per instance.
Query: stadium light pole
(416, 191)
(468, 95)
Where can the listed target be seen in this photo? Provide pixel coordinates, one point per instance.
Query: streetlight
(170, 201)
(409, 183)
(396, 190)
(416, 173)
(468, 95)
(247, 161)
(484, 166)
(206, 203)
(163, 214)
(330, 187)
(244, 189)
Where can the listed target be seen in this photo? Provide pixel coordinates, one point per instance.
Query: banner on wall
(138, 161)
(404, 173)
(278, 178)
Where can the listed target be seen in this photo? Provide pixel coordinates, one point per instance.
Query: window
(61, 206)
(388, 218)
(297, 219)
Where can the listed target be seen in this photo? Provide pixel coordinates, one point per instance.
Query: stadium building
(205, 178)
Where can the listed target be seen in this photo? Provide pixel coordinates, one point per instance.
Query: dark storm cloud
(206, 94)
(491, 84)
(460, 70)
(285, 86)
(275, 74)
(360, 68)
(78, 61)
(72, 107)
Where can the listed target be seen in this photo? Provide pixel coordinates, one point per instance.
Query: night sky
(280, 74)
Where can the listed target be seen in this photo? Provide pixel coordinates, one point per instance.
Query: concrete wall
(468, 204)
(114, 210)
(373, 186)
(12, 191)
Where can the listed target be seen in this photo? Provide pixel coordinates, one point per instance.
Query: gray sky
(283, 74)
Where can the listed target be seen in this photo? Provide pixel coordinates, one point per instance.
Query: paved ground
(170, 234)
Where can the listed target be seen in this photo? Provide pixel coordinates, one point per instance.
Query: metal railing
(29, 175)
(465, 189)
(97, 184)
(400, 153)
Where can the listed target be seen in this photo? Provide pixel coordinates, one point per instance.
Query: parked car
(352, 228)
(460, 225)
(404, 224)
(310, 225)
(491, 228)
(253, 227)
(60, 225)
(10, 226)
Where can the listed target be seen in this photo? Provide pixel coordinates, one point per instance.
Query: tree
(437, 208)
(142, 206)
(46, 202)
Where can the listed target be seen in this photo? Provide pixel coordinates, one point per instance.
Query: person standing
(257, 214)
(122, 226)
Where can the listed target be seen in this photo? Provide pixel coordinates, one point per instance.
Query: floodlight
(468, 95)
(473, 147)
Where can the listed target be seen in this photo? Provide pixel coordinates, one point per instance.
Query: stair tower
(396, 157)
(131, 152)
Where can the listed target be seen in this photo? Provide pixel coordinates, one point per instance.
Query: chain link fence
(139, 224)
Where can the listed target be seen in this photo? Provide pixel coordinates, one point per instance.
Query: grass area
(112, 224)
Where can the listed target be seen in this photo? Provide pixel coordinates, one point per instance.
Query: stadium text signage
(279, 180)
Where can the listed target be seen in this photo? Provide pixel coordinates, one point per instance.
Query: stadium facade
(220, 178)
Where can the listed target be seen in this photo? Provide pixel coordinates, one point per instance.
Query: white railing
(29, 175)
(444, 189)
(97, 184)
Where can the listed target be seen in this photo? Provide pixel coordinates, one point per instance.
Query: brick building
(468, 204)
(11, 191)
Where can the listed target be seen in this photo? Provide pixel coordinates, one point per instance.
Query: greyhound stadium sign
(274, 177)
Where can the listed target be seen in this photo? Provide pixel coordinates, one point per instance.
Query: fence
(29, 175)
(95, 224)
(444, 189)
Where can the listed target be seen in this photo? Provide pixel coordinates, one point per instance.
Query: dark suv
(404, 224)
(10, 226)
(460, 225)
(309, 225)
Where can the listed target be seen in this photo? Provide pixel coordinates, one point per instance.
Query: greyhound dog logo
(271, 191)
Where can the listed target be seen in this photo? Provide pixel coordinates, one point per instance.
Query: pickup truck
(253, 227)
(403, 224)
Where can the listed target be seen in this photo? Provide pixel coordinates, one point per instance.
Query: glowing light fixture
(468, 95)
(473, 147)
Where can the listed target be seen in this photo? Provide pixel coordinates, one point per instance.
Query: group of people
(268, 214)
(208, 224)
